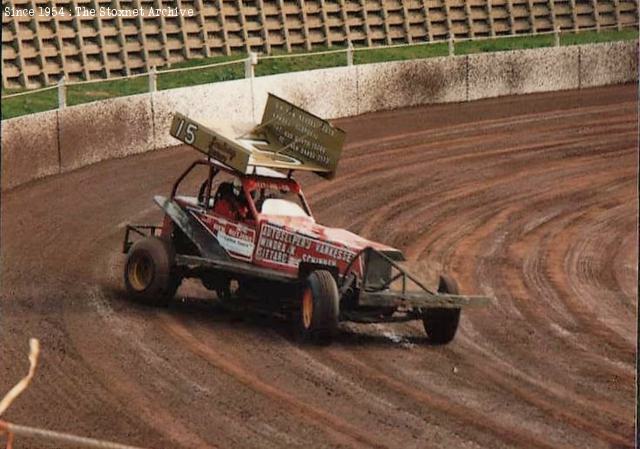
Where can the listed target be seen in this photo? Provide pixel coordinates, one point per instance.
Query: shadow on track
(244, 318)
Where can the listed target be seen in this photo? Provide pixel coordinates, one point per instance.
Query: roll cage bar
(215, 167)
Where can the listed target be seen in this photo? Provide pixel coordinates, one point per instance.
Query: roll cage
(250, 182)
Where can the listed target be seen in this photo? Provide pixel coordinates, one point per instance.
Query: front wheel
(441, 324)
(149, 273)
(316, 317)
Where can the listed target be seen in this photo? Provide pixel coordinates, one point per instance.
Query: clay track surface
(532, 199)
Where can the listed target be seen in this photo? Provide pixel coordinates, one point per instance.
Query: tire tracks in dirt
(337, 428)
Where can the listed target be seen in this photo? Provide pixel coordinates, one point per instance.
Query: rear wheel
(149, 274)
(441, 324)
(316, 318)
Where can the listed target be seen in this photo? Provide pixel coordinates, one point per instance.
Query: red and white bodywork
(280, 237)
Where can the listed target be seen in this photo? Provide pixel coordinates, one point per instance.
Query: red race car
(249, 234)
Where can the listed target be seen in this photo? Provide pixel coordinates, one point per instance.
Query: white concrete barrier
(52, 142)
(208, 103)
(103, 130)
(522, 72)
(29, 148)
(328, 93)
(609, 63)
(391, 85)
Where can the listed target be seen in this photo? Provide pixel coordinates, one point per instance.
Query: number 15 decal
(189, 132)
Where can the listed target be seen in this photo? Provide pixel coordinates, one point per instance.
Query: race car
(249, 235)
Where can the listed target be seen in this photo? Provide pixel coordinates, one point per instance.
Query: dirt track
(531, 199)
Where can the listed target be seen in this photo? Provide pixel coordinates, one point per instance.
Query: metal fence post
(62, 94)
(153, 79)
(350, 54)
(249, 65)
(452, 49)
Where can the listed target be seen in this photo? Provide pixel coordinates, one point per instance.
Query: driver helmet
(237, 187)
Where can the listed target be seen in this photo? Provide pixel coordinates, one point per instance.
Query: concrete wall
(29, 148)
(523, 72)
(328, 93)
(610, 63)
(103, 130)
(392, 85)
(58, 141)
(208, 103)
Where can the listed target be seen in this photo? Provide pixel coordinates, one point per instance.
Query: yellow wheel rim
(307, 308)
(140, 273)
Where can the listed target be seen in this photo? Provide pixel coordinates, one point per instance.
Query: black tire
(441, 325)
(316, 318)
(149, 273)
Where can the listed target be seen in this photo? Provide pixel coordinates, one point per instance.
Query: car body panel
(278, 242)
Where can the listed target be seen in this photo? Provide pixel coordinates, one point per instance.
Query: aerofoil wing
(288, 138)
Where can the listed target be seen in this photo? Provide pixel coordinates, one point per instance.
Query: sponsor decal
(283, 247)
(235, 238)
(236, 245)
(282, 186)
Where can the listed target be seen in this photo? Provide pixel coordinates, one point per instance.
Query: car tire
(316, 318)
(149, 274)
(441, 324)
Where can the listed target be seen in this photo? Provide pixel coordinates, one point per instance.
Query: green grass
(202, 76)
(78, 94)
(314, 61)
(503, 44)
(545, 40)
(84, 93)
(589, 37)
(401, 53)
(28, 104)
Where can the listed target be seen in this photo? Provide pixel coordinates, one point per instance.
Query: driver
(230, 201)
(223, 204)
(241, 206)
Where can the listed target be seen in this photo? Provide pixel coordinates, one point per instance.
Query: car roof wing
(288, 138)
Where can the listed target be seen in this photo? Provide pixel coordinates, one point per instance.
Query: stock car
(248, 234)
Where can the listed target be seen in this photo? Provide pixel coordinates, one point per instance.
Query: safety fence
(248, 66)
(11, 430)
